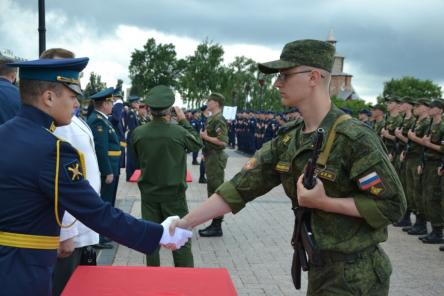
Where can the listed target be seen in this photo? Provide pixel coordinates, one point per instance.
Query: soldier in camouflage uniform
(215, 138)
(356, 195)
(393, 121)
(401, 134)
(431, 189)
(412, 158)
(378, 118)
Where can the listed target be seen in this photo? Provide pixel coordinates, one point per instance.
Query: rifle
(397, 151)
(303, 241)
(409, 142)
(428, 132)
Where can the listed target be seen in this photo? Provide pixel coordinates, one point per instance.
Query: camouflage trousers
(215, 163)
(413, 184)
(367, 275)
(432, 194)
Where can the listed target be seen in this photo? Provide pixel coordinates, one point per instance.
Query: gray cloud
(381, 38)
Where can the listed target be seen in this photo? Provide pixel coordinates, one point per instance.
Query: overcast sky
(380, 39)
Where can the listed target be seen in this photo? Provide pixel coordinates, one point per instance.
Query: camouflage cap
(423, 101)
(381, 107)
(409, 100)
(160, 97)
(439, 103)
(217, 97)
(308, 52)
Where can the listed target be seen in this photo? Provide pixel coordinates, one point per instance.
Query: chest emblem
(283, 167)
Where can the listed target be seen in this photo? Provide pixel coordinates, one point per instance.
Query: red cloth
(136, 176)
(149, 281)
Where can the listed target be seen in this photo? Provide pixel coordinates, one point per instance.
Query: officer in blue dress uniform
(117, 120)
(131, 122)
(106, 142)
(41, 176)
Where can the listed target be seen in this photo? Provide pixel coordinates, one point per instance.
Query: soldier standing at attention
(132, 121)
(393, 121)
(161, 148)
(431, 181)
(107, 149)
(9, 94)
(378, 118)
(353, 201)
(215, 138)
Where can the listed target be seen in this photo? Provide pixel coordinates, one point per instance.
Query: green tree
(203, 73)
(154, 65)
(413, 87)
(94, 85)
(354, 105)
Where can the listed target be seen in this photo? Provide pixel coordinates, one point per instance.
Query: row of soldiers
(252, 129)
(413, 133)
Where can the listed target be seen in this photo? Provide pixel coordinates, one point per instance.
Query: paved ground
(256, 251)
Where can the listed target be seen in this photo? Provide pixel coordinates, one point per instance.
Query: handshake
(179, 237)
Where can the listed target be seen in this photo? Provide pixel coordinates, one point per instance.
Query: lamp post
(42, 28)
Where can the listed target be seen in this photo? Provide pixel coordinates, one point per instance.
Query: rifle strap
(323, 157)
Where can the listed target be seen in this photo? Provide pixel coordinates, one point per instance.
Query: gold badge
(286, 139)
(251, 164)
(74, 171)
(99, 128)
(326, 174)
(283, 167)
(376, 191)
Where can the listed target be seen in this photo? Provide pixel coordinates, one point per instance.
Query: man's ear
(48, 98)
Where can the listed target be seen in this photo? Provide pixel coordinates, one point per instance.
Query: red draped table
(149, 281)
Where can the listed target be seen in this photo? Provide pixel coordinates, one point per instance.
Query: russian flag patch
(369, 181)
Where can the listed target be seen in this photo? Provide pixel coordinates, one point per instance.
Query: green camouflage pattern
(357, 152)
(368, 275)
(215, 157)
(378, 126)
(391, 124)
(308, 52)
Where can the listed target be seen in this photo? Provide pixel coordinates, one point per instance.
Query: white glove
(180, 236)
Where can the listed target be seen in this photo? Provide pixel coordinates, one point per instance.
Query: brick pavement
(256, 251)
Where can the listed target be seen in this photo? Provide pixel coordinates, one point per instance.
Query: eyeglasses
(282, 77)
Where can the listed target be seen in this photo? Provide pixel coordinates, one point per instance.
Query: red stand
(149, 281)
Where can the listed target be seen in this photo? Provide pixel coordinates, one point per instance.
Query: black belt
(326, 257)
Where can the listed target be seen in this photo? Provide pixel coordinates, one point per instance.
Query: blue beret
(64, 71)
(366, 112)
(103, 94)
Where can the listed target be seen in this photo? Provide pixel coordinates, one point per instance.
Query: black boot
(424, 236)
(435, 236)
(407, 228)
(214, 230)
(195, 162)
(202, 180)
(419, 228)
(441, 248)
(405, 221)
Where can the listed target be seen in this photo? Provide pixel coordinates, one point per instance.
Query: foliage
(154, 65)
(413, 87)
(94, 85)
(354, 105)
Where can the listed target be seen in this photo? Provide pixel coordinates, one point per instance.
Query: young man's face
(135, 105)
(212, 105)
(293, 85)
(63, 104)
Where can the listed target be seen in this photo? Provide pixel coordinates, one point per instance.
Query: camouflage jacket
(437, 138)
(422, 127)
(357, 167)
(216, 126)
(391, 124)
(378, 126)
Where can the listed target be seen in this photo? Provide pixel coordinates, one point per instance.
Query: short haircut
(53, 53)
(30, 90)
(4, 69)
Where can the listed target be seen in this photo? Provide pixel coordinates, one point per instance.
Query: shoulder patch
(74, 171)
